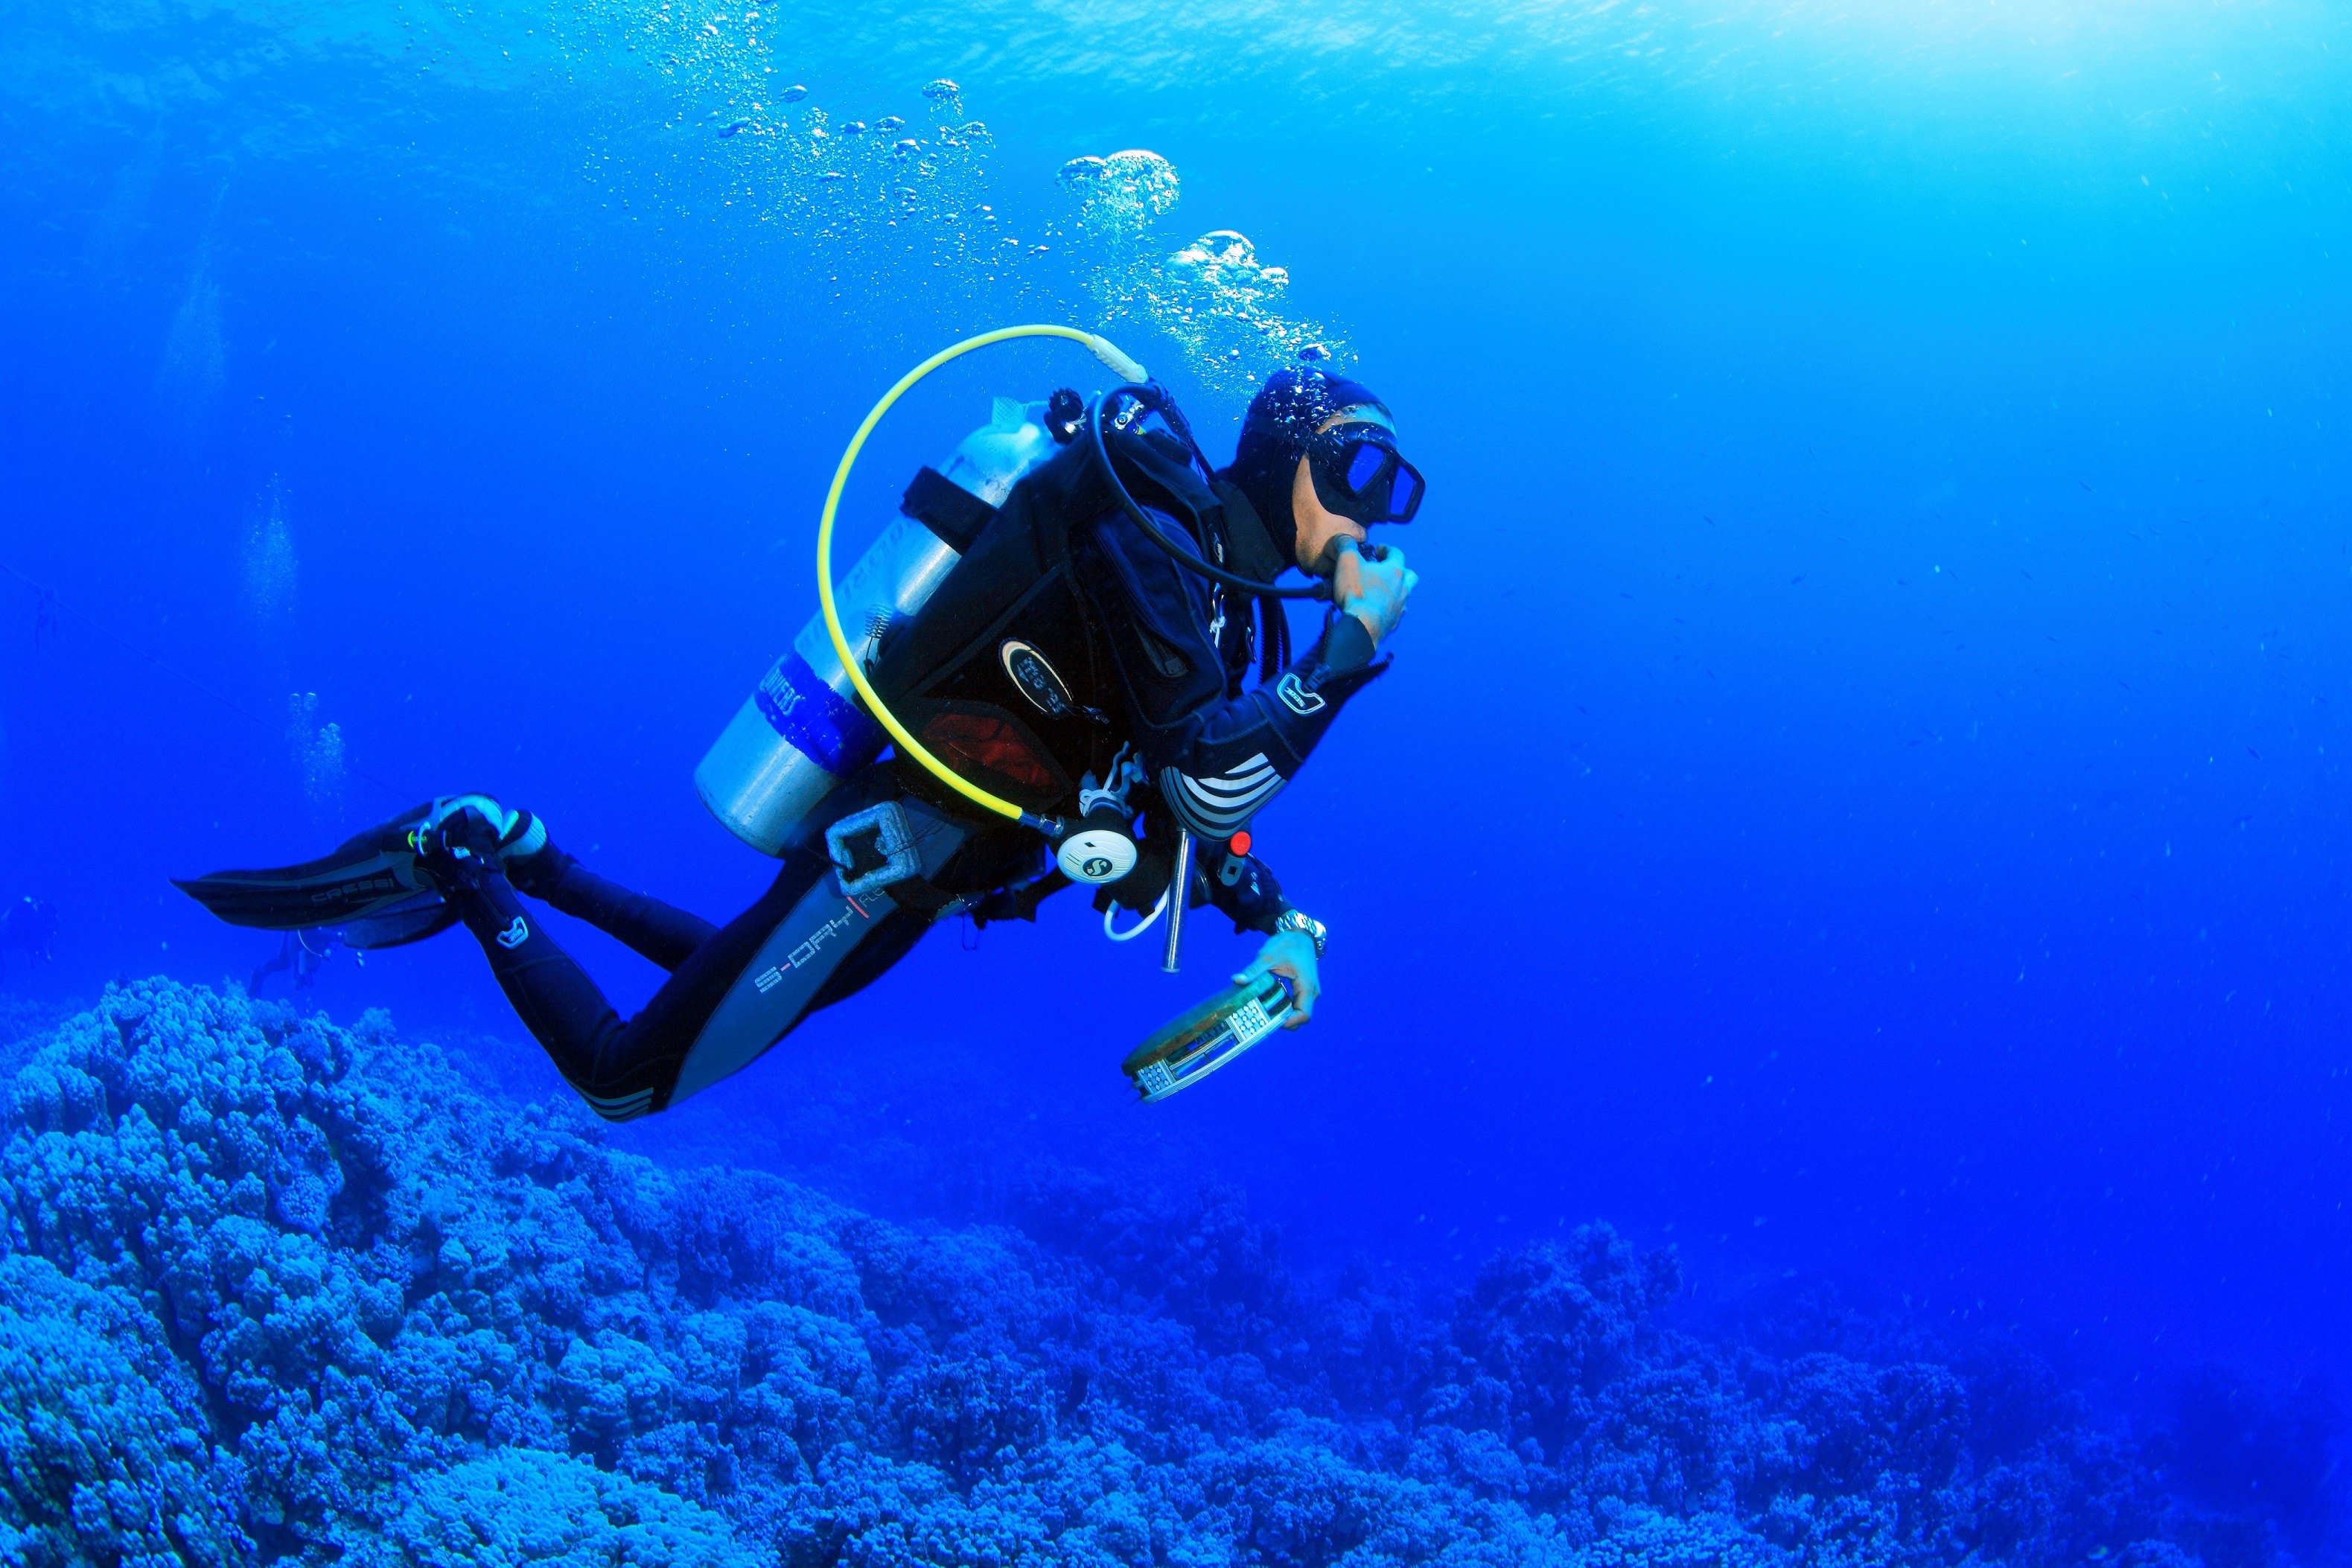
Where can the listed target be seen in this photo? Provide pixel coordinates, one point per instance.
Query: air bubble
(1134, 186)
(1213, 296)
(793, 94)
(941, 90)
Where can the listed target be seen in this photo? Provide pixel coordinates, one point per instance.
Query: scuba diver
(1080, 641)
(29, 926)
(305, 952)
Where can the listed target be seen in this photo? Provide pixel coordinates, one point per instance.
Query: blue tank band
(824, 726)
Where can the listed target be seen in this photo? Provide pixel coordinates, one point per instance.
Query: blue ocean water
(1854, 805)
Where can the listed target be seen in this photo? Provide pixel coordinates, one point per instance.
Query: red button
(1241, 843)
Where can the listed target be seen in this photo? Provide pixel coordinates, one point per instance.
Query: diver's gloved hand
(1291, 954)
(1374, 591)
(469, 835)
(457, 851)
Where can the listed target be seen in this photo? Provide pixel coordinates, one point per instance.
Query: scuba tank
(801, 731)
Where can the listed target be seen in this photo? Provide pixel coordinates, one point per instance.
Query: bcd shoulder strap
(1247, 536)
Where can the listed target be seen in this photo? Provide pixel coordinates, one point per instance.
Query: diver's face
(1320, 530)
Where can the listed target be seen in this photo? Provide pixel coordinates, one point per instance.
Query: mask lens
(1364, 466)
(1404, 493)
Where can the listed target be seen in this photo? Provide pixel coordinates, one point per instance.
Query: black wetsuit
(1216, 752)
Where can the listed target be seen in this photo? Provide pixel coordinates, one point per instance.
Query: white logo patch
(515, 935)
(1038, 682)
(1297, 697)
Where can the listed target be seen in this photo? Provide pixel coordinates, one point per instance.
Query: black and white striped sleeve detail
(1217, 805)
(1217, 753)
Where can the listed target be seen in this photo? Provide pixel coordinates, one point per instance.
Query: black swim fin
(368, 892)
(398, 926)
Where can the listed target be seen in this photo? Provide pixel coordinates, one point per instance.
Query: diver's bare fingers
(1347, 578)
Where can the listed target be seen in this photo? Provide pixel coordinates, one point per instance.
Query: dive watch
(1306, 925)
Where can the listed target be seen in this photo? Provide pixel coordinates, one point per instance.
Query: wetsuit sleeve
(1242, 886)
(1216, 755)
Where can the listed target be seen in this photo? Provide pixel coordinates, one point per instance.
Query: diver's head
(1317, 459)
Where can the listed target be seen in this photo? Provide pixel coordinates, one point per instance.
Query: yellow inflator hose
(1120, 365)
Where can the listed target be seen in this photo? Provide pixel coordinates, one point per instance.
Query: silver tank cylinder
(802, 729)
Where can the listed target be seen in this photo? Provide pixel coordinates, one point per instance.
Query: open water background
(1858, 799)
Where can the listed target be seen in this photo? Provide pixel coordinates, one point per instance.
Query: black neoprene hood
(1283, 417)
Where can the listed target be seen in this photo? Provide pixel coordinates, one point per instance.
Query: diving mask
(1359, 474)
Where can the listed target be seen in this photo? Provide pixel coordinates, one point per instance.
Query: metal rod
(1179, 893)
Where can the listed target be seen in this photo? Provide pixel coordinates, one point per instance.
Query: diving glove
(466, 834)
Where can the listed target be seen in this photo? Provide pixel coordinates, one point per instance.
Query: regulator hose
(1152, 395)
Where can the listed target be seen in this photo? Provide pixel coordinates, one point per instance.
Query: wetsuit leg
(892, 938)
(656, 930)
(625, 1070)
(285, 960)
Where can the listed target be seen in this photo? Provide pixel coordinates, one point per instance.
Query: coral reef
(276, 1290)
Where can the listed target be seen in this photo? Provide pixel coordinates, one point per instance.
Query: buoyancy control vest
(1003, 673)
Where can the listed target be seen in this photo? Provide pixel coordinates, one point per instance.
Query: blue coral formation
(276, 1290)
